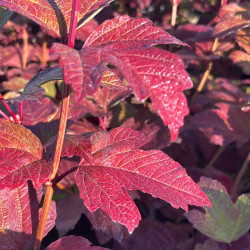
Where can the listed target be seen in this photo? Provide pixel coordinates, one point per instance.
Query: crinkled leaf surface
(19, 216)
(73, 243)
(52, 14)
(21, 157)
(124, 42)
(120, 166)
(224, 221)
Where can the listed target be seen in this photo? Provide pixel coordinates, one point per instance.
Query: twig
(240, 174)
(63, 188)
(206, 74)
(174, 13)
(4, 115)
(214, 159)
(9, 109)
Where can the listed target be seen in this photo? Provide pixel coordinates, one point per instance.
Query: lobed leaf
(124, 42)
(120, 166)
(224, 221)
(21, 157)
(53, 14)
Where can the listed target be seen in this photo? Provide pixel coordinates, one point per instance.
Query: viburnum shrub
(98, 120)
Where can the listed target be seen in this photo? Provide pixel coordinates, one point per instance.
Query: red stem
(73, 23)
(9, 109)
(61, 133)
(4, 115)
(102, 124)
(21, 111)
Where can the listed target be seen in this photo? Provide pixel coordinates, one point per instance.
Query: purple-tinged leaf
(69, 210)
(151, 234)
(232, 19)
(224, 221)
(21, 157)
(222, 126)
(73, 243)
(107, 229)
(19, 216)
(120, 165)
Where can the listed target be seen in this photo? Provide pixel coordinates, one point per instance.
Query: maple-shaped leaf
(21, 157)
(53, 15)
(19, 216)
(72, 242)
(224, 221)
(125, 43)
(222, 126)
(232, 17)
(120, 166)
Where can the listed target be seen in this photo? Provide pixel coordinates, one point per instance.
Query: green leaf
(225, 221)
(5, 14)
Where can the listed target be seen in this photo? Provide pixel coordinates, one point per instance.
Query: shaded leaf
(21, 157)
(5, 14)
(72, 243)
(224, 221)
(151, 234)
(233, 17)
(53, 15)
(33, 89)
(19, 216)
(69, 210)
(120, 165)
(222, 126)
(107, 229)
(124, 42)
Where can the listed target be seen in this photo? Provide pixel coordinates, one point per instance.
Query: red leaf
(21, 157)
(124, 42)
(73, 243)
(19, 216)
(53, 15)
(75, 145)
(120, 166)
